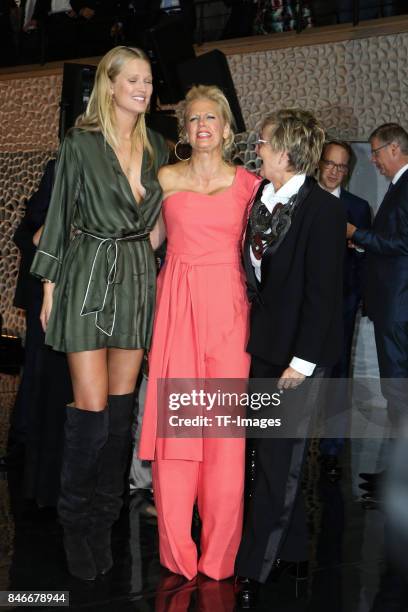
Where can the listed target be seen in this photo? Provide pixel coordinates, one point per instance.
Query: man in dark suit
(136, 17)
(74, 28)
(334, 167)
(386, 272)
(386, 296)
(294, 264)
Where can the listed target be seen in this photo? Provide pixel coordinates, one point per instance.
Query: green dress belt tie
(100, 295)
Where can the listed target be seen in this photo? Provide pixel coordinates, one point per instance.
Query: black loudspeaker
(77, 86)
(212, 69)
(167, 45)
(164, 123)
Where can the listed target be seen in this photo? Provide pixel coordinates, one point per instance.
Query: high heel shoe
(246, 593)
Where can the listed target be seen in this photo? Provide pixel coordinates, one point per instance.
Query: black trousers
(275, 524)
(339, 406)
(391, 340)
(29, 389)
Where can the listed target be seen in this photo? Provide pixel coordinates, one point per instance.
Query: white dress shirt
(60, 6)
(170, 4)
(399, 174)
(336, 192)
(270, 198)
(29, 10)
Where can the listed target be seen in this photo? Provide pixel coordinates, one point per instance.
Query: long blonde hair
(99, 114)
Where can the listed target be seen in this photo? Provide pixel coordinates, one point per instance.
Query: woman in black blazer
(294, 252)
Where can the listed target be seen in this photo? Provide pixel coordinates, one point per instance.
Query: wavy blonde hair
(214, 94)
(100, 114)
(299, 133)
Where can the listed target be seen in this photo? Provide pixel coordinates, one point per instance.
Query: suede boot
(86, 434)
(112, 472)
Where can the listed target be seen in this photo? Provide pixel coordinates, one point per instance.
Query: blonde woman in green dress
(96, 260)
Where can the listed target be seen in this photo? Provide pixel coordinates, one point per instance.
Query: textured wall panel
(29, 112)
(8, 389)
(20, 174)
(352, 86)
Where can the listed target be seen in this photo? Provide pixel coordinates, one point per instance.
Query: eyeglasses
(374, 152)
(260, 141)
(330, 165)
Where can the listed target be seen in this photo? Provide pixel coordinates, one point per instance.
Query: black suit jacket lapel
(382, 211)
(252, 282)
(348, 205)
(304, 193)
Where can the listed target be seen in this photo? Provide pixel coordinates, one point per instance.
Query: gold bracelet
(46, 280)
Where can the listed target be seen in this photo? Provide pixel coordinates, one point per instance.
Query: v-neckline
(142, 165)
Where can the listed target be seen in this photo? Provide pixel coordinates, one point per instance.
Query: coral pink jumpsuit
(200, 331)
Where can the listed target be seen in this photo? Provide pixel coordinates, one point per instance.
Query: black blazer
(297, 308)
(358, 213)
(29, 288)
(386, 267)
(105, 8)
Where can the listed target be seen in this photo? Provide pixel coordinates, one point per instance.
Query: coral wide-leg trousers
(217, 483)
(201, 331)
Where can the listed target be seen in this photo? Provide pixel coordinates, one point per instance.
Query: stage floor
(346, 551)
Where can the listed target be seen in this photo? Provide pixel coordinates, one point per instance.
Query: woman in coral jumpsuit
(200, 331)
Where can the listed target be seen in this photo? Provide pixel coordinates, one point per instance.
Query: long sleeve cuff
(359, 237)
(301, 365)
(45, 265)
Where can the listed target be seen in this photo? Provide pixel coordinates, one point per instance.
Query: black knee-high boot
(86, 434)
(112, 471)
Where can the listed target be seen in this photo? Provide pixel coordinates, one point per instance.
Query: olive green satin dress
(95, 246)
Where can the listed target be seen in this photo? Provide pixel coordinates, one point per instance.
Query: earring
(177, 155)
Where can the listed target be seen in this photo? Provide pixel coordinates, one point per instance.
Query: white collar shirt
(336, 192)
(399, 174)
(60, 6)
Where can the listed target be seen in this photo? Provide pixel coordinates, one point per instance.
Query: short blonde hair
(300, 134)
(99, 114)
(214, 94)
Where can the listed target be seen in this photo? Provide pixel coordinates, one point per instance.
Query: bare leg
(123, 368)
(96, 373)
(89, 375)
